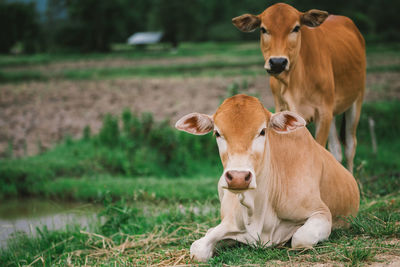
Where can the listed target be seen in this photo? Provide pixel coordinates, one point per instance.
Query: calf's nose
(238, 180)
(277, 64)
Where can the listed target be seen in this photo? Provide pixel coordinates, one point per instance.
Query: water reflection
(27, 214)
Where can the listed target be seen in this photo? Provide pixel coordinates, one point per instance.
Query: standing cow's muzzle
(276, 65)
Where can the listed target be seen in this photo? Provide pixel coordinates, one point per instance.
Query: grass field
(206, 59)
(158, 187)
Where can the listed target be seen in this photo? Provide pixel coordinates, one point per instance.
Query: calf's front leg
(202, 250)
(317, 228)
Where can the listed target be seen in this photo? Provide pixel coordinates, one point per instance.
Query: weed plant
(129, 147)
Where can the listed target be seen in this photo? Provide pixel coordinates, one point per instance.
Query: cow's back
(346, 49)
(338, 188)
(306, 171)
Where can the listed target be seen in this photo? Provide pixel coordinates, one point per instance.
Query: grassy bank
(142, 234)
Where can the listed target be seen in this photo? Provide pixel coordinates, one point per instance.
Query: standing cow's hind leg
(352, 116)
(334, 144)
(317, 228)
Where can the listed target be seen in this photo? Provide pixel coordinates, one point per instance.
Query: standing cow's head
(281, 28)
(241, 126)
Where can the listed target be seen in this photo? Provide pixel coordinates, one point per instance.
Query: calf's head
(280, 27)
(241, 126)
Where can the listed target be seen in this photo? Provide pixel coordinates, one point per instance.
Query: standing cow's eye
(296, 29)
(263, 30)
(262, 133)
(217, 134)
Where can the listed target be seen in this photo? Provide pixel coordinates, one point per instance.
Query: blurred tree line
(92, 25)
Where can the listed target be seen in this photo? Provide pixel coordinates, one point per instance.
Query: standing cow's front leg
(317, 228)
(322, 124)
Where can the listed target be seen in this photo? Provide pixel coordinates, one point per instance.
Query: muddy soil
(40, 114)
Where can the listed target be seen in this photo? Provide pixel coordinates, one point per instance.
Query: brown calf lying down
(278, 182)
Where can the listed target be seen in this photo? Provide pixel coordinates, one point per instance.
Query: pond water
(27, 214)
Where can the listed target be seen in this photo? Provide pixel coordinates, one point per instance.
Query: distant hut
(145, 38)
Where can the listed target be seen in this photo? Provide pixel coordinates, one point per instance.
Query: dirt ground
(44, 113)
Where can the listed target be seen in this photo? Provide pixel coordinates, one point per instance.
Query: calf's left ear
(286, 122)
(195, 123)
(313, 17)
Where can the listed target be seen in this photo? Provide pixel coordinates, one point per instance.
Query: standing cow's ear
(247, 22)
(286, 122)
(313, 17)
(195, 123)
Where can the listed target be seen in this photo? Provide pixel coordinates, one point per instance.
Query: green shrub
(140, 147)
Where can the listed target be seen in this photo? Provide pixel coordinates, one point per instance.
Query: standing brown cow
(318, 67)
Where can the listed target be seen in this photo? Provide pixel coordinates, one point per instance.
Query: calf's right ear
(195, 123)
(286, 122)
(247, 22)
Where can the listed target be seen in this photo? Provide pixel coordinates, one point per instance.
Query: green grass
(199, 69)
(18, 76)
(166, 190)
(230, 49)
(376, 223)
(385, 68)
(230, 59)
(153, 52)
(244, 68)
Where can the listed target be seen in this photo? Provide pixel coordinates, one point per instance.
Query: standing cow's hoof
(200, 251)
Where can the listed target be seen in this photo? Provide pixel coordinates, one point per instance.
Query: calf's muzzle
(238, 180)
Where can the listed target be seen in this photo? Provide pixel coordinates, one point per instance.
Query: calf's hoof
(200, 251)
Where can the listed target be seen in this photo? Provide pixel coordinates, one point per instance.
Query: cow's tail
(343, 130)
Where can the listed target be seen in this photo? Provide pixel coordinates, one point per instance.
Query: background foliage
(93, 25)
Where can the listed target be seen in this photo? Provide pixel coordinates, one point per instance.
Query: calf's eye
(262, 133)
(217, 134)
